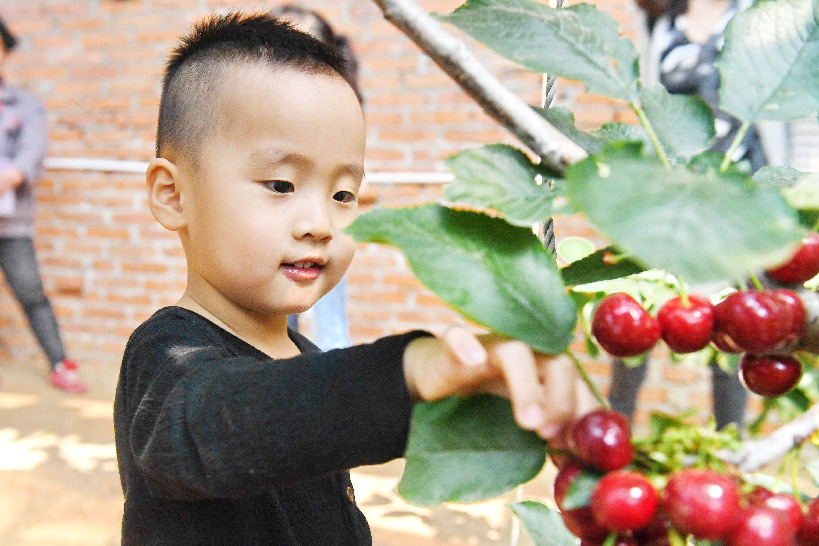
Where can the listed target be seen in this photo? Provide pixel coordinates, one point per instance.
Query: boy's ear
(164, 193)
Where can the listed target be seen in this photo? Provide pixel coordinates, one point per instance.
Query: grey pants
(729, 395)
(19, 263)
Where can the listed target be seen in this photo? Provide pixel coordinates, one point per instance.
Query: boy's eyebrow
(266, 156)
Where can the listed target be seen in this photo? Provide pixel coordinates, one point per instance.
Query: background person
(23, 142)
(684, 38)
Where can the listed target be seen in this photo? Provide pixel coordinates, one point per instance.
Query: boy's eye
(279, 186)
(344, 197)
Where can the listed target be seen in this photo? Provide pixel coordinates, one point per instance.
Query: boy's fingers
(464, 346)
(519, 367)
(561, 382)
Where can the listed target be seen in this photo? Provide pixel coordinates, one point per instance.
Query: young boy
(230, 428)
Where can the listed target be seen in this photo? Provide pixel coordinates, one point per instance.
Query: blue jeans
(19, 263)
(728, 394)
(329, 319)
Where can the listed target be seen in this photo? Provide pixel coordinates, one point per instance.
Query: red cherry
(786, 505)
(656, 541)
(703, 503)
(769, 375)
(624, 500)
(758, 525)
(724, 343)
(794, 311)
(656, 529)
(808, 534)
(602, 439)
(803, 265)
(622, 327)
(579, 521)
(758, 495)
(753, 320)
(686, 328)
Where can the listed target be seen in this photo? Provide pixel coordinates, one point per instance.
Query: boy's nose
(313, 221)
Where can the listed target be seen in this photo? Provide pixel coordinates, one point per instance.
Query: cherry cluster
(762, 324)
(759, 323)
(628, 508)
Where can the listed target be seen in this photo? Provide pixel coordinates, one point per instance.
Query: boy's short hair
(195, 73)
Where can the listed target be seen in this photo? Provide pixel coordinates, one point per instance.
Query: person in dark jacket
(23, 142)
(231, 428)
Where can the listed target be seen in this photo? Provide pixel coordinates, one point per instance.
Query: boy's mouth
(305, 270)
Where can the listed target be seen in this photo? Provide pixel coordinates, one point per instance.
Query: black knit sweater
(218, 443)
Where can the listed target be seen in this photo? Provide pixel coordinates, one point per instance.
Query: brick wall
(107, 265)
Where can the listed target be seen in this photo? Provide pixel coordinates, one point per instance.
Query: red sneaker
(65, 377)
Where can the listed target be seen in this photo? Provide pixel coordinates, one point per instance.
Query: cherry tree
(678, 219)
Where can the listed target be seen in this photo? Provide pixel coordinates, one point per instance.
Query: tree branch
(554, 148)
(754, 454)
(557, 151)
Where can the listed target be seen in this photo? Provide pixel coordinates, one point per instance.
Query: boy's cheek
(346, 243)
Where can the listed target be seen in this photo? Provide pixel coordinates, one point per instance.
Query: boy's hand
(544, 390)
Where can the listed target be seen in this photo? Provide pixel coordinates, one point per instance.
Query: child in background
(230, 427)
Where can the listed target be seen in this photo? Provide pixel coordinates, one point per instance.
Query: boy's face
(266, 204)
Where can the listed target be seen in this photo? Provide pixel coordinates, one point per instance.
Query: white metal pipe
(126, 166)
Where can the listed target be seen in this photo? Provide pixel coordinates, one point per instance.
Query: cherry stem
(795, 475)
(648, 302)
(611, 540)
(726, 161)
(682, 290)
(783, 467)
(674, 537)
(756, 282)
(587, 379)
(641, 115)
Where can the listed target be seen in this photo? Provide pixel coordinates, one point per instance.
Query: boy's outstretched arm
(545, 391)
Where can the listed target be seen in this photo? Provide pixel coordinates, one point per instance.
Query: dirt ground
(60, 485)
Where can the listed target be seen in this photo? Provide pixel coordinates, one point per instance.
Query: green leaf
(659, 423)
(466, 450)
(613, 132)
(803, 194)
(770, 62)
(496, 274)
(501, 178)
(800, 190)
(771, 176)
(579, 493)
(578, 42)
(813, 469)
(699, 226)
(684, 124)
(544, 525)
(598, 267)
(562, 119)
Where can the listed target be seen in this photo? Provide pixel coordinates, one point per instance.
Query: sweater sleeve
(33, 139)
(204, 423)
